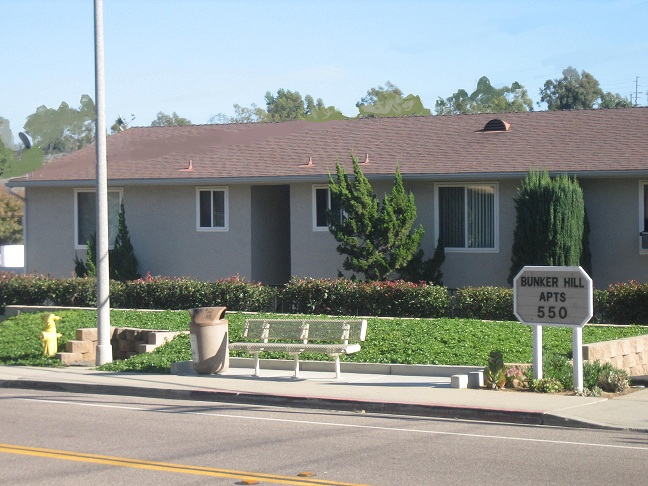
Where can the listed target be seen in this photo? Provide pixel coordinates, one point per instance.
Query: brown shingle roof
(576, 142)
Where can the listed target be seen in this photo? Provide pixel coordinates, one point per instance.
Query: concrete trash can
(208, 333)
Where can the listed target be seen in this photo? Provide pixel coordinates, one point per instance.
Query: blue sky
(199, 57)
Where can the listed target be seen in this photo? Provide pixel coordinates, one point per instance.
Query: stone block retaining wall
(630, 354)
(125, 342)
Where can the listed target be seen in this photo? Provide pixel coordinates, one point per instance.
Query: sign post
(554, 296)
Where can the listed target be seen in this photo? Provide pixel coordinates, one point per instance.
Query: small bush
(516, 377)
(493, 303)
(557, 367)
(546, 385)
(627, 303)
(600, 307)
(613, 380)
(495, 372)
(351, 297)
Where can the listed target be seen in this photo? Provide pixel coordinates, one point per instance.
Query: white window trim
(222, 229)
(314, 205)
(76, 213)
(495, 186)
(642, 215)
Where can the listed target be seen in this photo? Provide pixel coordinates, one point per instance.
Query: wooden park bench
(333, 337)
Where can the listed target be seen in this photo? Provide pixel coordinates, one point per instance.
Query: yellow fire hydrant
(49, 336)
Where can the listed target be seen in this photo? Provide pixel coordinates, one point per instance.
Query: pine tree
(123, 263)
(122, 260)
(376, 238)
(550, 223)
(91, 256)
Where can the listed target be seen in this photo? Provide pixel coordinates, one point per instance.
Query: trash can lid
(206, 315)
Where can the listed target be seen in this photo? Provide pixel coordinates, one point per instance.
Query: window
(85, 210)
(467, 216)
(212, 209)
(643, 217)
(321, 203)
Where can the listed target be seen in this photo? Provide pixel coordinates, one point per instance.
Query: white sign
(553, 296)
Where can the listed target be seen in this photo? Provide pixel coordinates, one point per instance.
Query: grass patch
(442, 341)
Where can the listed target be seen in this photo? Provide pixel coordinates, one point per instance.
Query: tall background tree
(388, 101)
(11, 215)
(242, 114)
(574, 91)
(62, 130)
(485, 99)
(172, 120)
(286, 105)
(6, 137)
(550, 226)
(375, 237)
(7, 158)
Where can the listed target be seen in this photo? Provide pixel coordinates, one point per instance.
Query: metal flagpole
(104, 348)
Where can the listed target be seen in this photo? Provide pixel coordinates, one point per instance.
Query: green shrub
(600, 306)
(627, 303)
(25, 289)
(558, 368)
(184, 293)
(495, 371)
(147, 293)
(237, 294)
(599, 376)
(352, 297)
(492, 303)
(546, 385)
(613, 380)
(621, 303)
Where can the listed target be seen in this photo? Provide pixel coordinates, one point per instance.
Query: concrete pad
(459, 381)
(476, 379)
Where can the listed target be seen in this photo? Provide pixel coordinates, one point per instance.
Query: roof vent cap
(496, 125)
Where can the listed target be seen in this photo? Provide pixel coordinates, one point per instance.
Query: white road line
(81, 404)
(352, 426)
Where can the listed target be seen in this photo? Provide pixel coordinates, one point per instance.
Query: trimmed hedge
(146, 293)
(350, 297)
(493, 303)
(623, 303)
(627, 303)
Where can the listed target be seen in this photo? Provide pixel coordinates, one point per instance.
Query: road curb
(320, 403)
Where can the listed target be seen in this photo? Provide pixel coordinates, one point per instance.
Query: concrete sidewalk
(394, 389)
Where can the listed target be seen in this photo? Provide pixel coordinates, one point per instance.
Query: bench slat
(296, 347)
(298, 330)
(332, 336)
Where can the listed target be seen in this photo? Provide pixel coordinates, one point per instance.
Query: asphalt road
(59, 438)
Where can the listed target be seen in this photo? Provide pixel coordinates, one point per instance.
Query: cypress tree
(550, 223)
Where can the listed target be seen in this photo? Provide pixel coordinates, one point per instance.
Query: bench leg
(296, 356)
(338, 375)
(257, 366)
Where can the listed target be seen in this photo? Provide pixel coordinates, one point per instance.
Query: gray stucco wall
(313, 253)
(161, 221)
(465, 267)
(162, 225)
(49, 230)
(613, 211)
